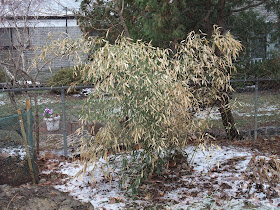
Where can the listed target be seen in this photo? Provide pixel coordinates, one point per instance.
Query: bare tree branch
(120, 13)
(248, 6)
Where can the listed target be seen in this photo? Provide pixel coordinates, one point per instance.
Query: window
(5, 37)
(258, 48)
(11, 37)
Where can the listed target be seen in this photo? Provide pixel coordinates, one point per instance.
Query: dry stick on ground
(11, 201)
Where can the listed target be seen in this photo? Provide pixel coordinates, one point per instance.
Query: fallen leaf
(116, 200)
(53, 193)
(171, 164)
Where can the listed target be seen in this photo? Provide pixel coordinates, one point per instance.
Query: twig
(11, 201)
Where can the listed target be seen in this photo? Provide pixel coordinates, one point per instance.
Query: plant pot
(52, 123)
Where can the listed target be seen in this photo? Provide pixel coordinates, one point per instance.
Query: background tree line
(254, 22)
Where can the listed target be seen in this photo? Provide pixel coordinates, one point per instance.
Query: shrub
(158, 95)
(268, 68)
(2, 76)
(65, 77)
(154, 97)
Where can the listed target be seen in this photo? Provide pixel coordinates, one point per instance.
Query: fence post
(64, 121)
(256, 108)
(24, 137)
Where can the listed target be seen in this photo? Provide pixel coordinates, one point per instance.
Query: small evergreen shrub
(2, 76)
(65, 77)
(267, 68)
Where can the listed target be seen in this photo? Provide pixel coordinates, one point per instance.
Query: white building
(25, 24)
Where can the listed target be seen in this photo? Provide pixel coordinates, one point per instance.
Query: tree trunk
(37, 131)
(221, 13)
(228, 120)
(225, 110)
(207, 20)
(13, 100)
(12, 94)
(122, 19)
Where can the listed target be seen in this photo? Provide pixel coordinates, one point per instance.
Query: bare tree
(16, 29)
(18, 19)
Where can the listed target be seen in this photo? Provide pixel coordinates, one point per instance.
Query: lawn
(73, 104)
(243, 109)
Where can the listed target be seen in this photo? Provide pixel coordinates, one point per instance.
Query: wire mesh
(16, 139)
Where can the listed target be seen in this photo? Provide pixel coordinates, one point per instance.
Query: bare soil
(37, 197)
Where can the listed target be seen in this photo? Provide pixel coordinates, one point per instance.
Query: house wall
(38, 37)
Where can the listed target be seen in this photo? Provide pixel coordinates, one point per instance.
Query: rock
(4, 155)
(226, 186)
(271, 131)
(9, 138)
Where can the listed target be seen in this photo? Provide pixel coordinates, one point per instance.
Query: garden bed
(218, 178)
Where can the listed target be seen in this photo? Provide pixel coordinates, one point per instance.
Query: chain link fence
(255, 105)
(67, 105)
(18, 161)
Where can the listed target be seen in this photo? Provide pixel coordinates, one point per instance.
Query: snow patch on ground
(211, 113)
(214, 114)
(42, 101)
(14, 151)
(87, 91)
(204, 159)
(91, 187)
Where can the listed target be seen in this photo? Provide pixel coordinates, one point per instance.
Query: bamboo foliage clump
(148, 97)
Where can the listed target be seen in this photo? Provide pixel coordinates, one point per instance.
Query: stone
(261, 131)
(40, 203)
(42, 181)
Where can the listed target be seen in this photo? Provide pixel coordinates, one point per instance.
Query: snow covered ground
(214, 114)
(219, 179)
(14, 151)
